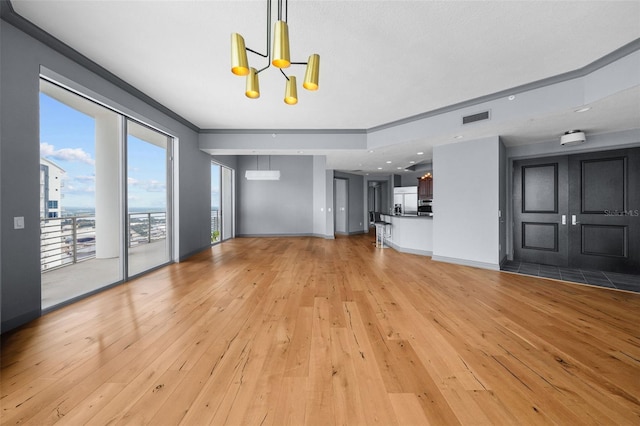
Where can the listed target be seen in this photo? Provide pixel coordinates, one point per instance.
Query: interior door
(340, 209)
(540, 210)
(604, 212)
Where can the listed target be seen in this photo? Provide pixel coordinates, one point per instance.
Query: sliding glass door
(222, 203)
(80, 196)
(148, 198)
(105, 196)
(216, 202)
(227, 203)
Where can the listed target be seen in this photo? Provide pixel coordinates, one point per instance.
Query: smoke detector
(572, 137)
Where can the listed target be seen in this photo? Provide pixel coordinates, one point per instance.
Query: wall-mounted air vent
(475, 117)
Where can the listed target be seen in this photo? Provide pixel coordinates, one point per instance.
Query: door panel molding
(540, 236)
(605, 240)
(535, 199)
(611, 194)
(539, 203)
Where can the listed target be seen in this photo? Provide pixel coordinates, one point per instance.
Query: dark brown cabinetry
(425, 187)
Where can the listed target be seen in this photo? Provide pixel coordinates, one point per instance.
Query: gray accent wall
(282, 207)
(466, 189)
(21, 59)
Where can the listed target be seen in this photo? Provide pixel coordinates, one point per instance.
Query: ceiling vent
(475, 117)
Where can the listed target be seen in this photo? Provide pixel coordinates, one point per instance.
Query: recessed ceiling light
(583, 109)
(412, 162)
(512, 97)
(420, 153)
(379, 168)
(458, 137)
(388, 162)
(399, 168)
(370, 151)
(300, 152)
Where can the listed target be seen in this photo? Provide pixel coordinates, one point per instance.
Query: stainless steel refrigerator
(405, 200)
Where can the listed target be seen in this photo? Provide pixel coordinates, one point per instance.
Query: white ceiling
(381, 61)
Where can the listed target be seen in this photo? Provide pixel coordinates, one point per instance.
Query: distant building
(52, 244)
(50, 189)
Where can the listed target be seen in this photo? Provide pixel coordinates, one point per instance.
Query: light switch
(18, 222)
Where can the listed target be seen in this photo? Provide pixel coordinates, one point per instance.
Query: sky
(67, 137)
(215, 187)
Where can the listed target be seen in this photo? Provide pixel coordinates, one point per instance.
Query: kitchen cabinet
(425, 187)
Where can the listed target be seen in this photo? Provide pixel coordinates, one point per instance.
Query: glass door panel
(80, 196)
(227, 203)
(148, 183)
(215, 203)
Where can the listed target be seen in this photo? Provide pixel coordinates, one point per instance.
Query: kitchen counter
(411, 234)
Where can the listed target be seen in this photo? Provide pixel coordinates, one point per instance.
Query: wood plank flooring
(294, 331)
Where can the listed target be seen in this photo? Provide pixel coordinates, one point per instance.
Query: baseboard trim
(20, 320)
(466, 262)
(326, 237)
(193, 253)
(409, 250)
(274, 235)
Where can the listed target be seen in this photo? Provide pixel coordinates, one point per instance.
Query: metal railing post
(74, 237)
(149, 228)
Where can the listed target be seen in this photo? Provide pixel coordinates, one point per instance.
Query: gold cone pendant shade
(291, 91)
(281, 57)
(253, 85)
(312, 74)
(239, 62)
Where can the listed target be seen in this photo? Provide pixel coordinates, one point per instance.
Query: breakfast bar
(410, 233)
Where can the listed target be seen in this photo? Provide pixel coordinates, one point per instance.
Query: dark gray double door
(580, 211)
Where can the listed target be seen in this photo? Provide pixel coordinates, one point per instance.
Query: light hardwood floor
(293, 331)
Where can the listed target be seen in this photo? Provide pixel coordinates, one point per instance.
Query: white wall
(466, 202)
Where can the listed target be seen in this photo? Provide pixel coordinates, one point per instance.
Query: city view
(72, 180)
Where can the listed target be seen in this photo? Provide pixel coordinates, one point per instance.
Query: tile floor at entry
(598, 278)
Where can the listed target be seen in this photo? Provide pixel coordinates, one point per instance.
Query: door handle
(574, 220)
(564, 219)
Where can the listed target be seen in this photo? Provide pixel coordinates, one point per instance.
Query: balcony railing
(71, 239)
(215, 226)
(145, 228)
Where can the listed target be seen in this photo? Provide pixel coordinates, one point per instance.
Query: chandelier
(278, 57)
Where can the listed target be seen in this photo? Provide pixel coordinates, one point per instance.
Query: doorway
(579, 211)
(341, 202)
(222, 203)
